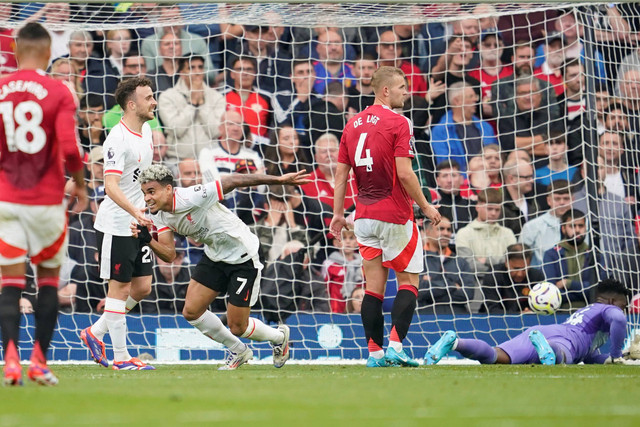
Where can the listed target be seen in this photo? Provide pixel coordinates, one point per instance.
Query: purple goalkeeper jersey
(580, 336)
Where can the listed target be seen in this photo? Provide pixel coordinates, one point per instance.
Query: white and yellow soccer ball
(545, 298)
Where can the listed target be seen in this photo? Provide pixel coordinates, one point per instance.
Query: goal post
(528, 121)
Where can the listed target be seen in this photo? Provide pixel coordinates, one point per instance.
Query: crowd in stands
(503, 142)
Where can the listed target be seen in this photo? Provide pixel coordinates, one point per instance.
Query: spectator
(322, 187)
(460, 134)
(629, 94)
(468, 26)
(95, 167)
(283, 155)
(551, 68)
(573, 265)
(360, 95)
(103, 75)
(504, 89)
(477, 179)
(532, 122)
(451, 68)
(221, 158)
(520, 204)
(543, 233)
(55, 15)
(449, 281)
(452, 204)
(80, 51)
(90, 114)
(330, 115)
(484, 242)
(274, 63)
(188, 173)
(621, 180)
(252, 103)
(293, 108)
(342, 271)
(506, 287)
(62, 69)
(191, 111)
(565, 25)
(390, 54)
(280, 225)
(558, 167)
(165, 75)
(184, 43)
(354, 303)
(574, 106)
(618, 240)
(491, 67)
(493, 161)
(331, 65)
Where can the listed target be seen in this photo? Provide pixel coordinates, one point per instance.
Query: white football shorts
(399, 244)
(39, 231)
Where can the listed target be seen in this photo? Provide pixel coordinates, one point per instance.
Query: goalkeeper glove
(144, 235)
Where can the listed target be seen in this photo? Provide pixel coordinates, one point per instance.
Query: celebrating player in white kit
(231, 263)
(124, 261)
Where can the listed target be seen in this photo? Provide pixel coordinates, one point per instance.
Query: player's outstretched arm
(338, 222)
(112, 188)
(410, 182)
(230, 182)
(164, 247)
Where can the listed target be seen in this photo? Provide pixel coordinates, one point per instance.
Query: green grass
(331, 396)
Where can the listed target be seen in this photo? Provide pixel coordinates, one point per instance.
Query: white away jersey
(126, 153)
(197, 214)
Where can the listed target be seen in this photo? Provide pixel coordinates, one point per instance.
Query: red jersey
(370, 143)
(254, 111)
(416, 84)
(487, 80)
(37, 135)
(323, 190)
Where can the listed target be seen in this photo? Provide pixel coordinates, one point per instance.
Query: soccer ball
(545, 298)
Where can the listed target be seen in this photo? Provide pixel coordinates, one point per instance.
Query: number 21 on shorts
(367, 160)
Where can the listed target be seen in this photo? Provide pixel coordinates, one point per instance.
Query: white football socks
(130, 303)
(211, 325)
(100, 328)
(258, 331)
(114, 313)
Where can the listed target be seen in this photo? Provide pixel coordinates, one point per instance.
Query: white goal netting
(526, 118)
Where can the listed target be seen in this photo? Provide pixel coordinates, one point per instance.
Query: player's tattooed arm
(164, 247)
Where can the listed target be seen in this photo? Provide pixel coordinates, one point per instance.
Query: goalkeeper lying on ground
(574, 341)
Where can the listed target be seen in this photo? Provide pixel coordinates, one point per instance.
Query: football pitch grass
(330, 395)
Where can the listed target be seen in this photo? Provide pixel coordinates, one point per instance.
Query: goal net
(526, 120)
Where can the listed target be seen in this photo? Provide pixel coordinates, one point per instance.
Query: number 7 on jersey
(363, 161)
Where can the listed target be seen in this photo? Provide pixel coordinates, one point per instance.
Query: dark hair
(297, 62)
(187, 60)
(127, 88)
(91, 100)
(490, 195)
(519, 251)
(335, 89)
(33, 32)
(559, 186)
(365, 56)
(612, 286)
(447, 164)
(573, 62)
(615, 106)
(556, 134)
(250, 59)
(272, 160)
(572, 214)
